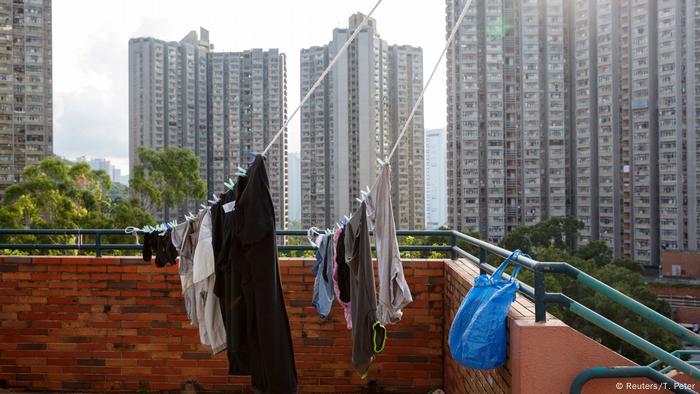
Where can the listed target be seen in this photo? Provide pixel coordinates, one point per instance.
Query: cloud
(88, 123)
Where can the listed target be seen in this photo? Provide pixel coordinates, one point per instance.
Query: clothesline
(323, 75)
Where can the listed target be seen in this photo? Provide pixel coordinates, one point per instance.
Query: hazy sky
(90, 53)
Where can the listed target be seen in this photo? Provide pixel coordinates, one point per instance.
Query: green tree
(166, 178)
(554, 240)
(54, 194)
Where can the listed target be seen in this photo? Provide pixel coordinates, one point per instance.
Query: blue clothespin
(251, 157)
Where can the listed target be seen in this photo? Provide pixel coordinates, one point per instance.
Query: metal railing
(97, 246)
(537, 294)
(542, 298)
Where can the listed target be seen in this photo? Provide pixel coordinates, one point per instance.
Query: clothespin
(230, 184)
(203, 206)
(215, 200)
(251, 157)
(310, 236)
(241, 172)
(381, 163)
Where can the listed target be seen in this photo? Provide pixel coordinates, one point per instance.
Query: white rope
(135, 231)
(420, 98)
(320, 79)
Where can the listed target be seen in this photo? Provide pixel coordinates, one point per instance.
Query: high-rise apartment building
(222, 105)
(247, 107)
(637, 111)
(294, 186)
(353, 118)
(507, 119)
(435, 179)
(26, 104)
(605, 128)
(168, 86)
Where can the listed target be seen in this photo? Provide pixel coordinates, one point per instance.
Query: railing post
(482, 260)
(453, 239)
(540, 306)
(98, 245)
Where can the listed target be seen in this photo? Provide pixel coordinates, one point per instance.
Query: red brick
(130, 316)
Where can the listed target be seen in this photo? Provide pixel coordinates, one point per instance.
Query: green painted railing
(542, 298)
(537, 294)
(98, 246)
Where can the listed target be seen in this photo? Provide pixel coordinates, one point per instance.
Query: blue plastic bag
(478, 333)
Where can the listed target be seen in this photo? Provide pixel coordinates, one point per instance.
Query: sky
(90, 54)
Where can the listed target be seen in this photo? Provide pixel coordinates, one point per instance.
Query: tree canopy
(166, 178)
(554, 240)
(54, 194)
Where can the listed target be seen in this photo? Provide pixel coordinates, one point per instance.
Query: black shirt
(343, 269)
(268, 339)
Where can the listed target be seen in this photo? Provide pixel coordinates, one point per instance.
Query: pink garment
(345, 305)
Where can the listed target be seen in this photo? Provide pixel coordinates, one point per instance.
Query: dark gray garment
(363, 296)
(323, 270)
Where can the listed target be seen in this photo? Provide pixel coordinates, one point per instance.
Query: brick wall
(114, 324)
(678, 290)
(459, 278)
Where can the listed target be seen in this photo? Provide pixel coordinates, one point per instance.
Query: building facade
(26, 102)
(353, 118)
(435, 179)
(605, 127)
(638, 112)
(221, 105)
(507, 139)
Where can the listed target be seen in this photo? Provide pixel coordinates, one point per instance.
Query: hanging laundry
(341, 275)
(183, 244)
(323, 270)
(222, 228)
(228, 285)
(269, 341)
(368, 334)
(163, 247)
(211, 324)
(394, 293)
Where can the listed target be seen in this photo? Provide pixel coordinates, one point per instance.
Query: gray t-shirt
(394, 293)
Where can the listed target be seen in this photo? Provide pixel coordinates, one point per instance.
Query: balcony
(98, 324)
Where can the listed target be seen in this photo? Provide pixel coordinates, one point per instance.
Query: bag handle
(502, 268)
